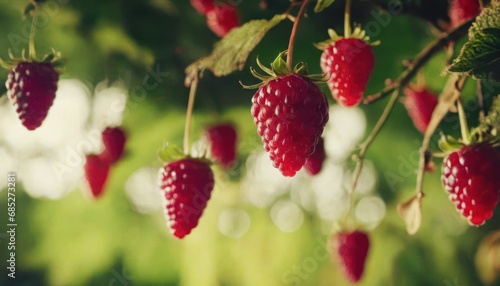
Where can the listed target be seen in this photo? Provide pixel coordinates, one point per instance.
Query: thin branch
(368, 141)
(420, 60)
(293, 35)
(189, 113)
(445, 101)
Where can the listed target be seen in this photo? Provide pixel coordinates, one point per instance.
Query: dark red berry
(113, 139)
(222, 140)
(349, 63)
(315, 162)
(420, 104)
(222, 19)
(471, 177)
(203, 6)
(186, 185)
(463, 10)
(290, 113)
(352, 250)
(31, 87)
(96, 173)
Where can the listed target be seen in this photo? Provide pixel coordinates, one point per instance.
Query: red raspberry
(96, 173)
(31, 87)
(315, 162)
(461, 11)
(222, 19)
(349, 63)
(352, 249)
(222, 138)
(471, 177)
(290, 113)
(420, 104)
(113, 139)
(202, 6)
(186, 185)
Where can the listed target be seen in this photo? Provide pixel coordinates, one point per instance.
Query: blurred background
(125, 66)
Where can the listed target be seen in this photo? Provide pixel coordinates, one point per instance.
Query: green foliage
(322, 5)
(489, 18)
(480, 56)
(230, 54)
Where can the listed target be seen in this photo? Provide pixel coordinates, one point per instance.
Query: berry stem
(420, 60)
(347, 19)
(31, 47)
(464, 127)
(189, 113)
(293, 35)
(366, 144)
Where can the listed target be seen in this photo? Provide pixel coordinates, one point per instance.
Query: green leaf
(480, 56)
(489, 18)
(322, 5)
(230, 53)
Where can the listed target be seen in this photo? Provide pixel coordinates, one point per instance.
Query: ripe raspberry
(461, 11)
(470, 176)
(186, 185)
(96, 173)
(315, 162)
(113, 139)
(222, 138)
(352, 249)
(290, 113)
(349, 63)
(202, 6)
(31, 87)
(222, 19)
(420, 104)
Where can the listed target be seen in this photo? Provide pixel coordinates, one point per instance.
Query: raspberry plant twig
(189, 113)
(293, 34)
(445, 101)
(449, 95)
(368, 141)
(420, 60)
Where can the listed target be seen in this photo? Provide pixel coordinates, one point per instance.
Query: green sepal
(449, 144)
(358, 33)
(280, 68)
(170, 153)
(54, 58)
